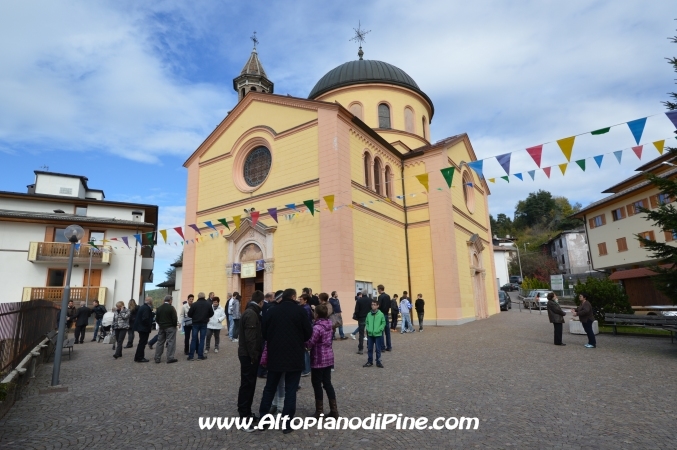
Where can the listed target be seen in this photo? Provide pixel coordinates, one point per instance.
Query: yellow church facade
(360, 139)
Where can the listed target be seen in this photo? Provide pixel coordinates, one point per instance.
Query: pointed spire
(253, 77)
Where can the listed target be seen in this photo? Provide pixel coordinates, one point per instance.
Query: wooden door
(95, 279)
(248, 288)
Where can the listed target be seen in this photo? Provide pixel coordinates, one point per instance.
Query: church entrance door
(247, 288)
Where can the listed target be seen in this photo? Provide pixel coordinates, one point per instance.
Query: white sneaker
(206, 350)
(365, 339)
(234, 340)
(216, 350)
(352, 336)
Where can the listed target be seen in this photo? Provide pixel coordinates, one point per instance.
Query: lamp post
(73, 233)
(519, 261)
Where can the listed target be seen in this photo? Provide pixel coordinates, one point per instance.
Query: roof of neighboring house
(498, 248)
(70, 218)
(177, 264)
(634, 273)
(168, 283)
(563, 232)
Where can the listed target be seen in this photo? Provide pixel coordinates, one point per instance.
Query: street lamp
(519, 261)
(73, 234)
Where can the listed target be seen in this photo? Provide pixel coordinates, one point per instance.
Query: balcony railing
(56, 293)
(59, 251)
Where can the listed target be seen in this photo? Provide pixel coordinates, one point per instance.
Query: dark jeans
(80, 333)
(420, 320)
(558, 333)
(319, 378)
(374, 341)
(360, 343)
(199, 329)
(130, 337)
(186, 340)
(386, 331)
(245, 396)
(141, 346)
(153, 341)
(120, 334)
(217, 337)
(393, 324)
(291, 384)
(236, 328)
(96, 328)
(588, 330)
(307, 361)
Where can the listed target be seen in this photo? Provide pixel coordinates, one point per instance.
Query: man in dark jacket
(143, 325)
(81, 319)
(556, 317)
(166, 318)
(249, 346)
(285, 329)
(419, 305)
(200, 312)
(362, 308)
(384, 307)
(99, 311)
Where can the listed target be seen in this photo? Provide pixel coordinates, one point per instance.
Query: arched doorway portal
(250, 280)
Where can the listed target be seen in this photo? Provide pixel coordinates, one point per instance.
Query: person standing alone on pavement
(200, 312)
(99, 311)
(375, 323)
(384, 307)
(250, 344)
(215, 324)
(82, 318)
(187, 323)
(143, 326)
(420, 305)
(556, 316)
(362, 308)
(166, 319)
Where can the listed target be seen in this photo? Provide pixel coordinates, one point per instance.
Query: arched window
(356, 110)
(367, 169)
(377, 176)
(408, 120)
(253, 89)
(423, 128)
(389, 182)
(243, 92)
(383, 116)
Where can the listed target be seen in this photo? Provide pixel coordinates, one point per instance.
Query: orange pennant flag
(423, 179)
(567, 146)
(236, 219)
(330, 202)
(563, 167)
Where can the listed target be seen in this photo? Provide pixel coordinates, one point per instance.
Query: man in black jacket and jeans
(82, 317)
(143, 325)
(384, 306)
(362, 308)
(98, 311)
(249, 347)
(200, 312)
(286, 328)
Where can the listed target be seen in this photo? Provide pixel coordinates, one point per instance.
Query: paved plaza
(526, 392)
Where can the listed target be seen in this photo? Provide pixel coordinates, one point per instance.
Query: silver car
(537, 298)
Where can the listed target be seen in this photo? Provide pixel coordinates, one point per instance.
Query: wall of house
(46, 206)
(501, 267)
(576, 252)
(52, 184)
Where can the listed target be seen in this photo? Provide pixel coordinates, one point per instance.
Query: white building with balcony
(34, 252)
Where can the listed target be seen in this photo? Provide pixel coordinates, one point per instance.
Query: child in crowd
(322, 360)
(374, 326)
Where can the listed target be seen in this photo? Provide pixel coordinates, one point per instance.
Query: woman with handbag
(120, 327)
(336, 317)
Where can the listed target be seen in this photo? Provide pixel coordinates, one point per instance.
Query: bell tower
(253, 76)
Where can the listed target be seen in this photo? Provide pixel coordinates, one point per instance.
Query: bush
(534, 283)
(605, 296)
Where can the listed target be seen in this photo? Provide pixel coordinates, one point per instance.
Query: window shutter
(668, 235)
(622, 210)
(631, 210)
(49, 234)
(652, 236)
(654, 201)
(592, 223)
(603, 219)
(645, 203)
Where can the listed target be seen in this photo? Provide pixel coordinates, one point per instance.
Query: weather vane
(359, 37)
(254, 40)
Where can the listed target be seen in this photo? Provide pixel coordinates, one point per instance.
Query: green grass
(623, 329)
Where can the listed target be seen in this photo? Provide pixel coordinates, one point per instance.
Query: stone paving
(526, 392)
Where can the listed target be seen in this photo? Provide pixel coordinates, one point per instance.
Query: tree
(535, 210)
(502, 226)
(536, 265)
(561, 215)
(605, 296)
(171, 272)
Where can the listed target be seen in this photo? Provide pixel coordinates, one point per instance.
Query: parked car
(504, 301)
(509, 287)
(515, 279)
(530, 302)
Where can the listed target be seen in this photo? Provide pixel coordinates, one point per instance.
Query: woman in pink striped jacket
(322, 359)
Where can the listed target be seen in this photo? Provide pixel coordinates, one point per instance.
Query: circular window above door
(257, 166)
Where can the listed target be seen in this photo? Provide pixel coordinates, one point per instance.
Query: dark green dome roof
(366, 71)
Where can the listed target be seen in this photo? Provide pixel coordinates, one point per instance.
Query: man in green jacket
(166, 319)
(374, 325)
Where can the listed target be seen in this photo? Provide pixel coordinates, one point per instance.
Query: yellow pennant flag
(567, 146)
(351, 206)
(423, 179)
(563, 167)
(236, 219)
(492, 180)
(164, 235)
(330, 202)
(659, 145)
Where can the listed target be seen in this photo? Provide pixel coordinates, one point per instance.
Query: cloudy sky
(122, 91)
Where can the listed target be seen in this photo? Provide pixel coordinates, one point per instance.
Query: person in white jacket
(215, 325)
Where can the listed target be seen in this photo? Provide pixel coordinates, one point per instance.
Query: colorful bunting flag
(581, 164)
(77, 246)
(236, 219)
(504, 161)
(310, 204)
(329, 200)
(536, 152)
(255, 217)
(637, 128)
(138, 238)
(532, 174)
(273, 213)
(150, 238)
(506, 178)
(210, 225)
(164, 235)
(672, 115)
(598, 160)
(563, 167)
(477, 166)
(180, 232)
(492, 180)
(638, 151)
(567, 146)
(448, 174)
(659, 145)
(126, 241)
(224, 222)
(600, 131)
(423, 179)
(618, 154)
(194, 227)
(292, 206)
(519, 175)
(546, 170)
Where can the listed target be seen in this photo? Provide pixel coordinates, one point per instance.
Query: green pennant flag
(311, 206)
(600, 131)
(224, 222)
(581, 164)
(506, 178)
(92, 244)
(150, 238)
(448, 174)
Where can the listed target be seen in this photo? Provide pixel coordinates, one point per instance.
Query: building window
(81, 210)
(563, 260)
(660, 199)
(622, 245)
(389, 182)
(423, 129)
(59, 235)
(602, 248)
(560, 242)
(670, 235)
(367, 170)
(597, 221)
(97, 237)
(56, 277)
(409, 120)
(257, 166)
(618, 214)
(377, 176)
(468, 191)
(383, 116)
(646, 235)
(356, 110)
(635, 207)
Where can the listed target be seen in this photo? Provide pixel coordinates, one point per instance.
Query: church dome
(365, 71)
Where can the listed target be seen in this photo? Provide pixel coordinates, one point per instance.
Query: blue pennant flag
(637, 128)
(477, 167)
(618, 154)
(519, 175)
(598, 160)
(532, 174)
(504, 161)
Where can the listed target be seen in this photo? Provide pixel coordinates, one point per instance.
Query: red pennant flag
(535, 153)
(547, 171)
(255, 217)
(638, 151)
(180, 232)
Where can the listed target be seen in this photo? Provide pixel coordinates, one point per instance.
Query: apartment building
(34, 252)
(612, 224)
(570, 250)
